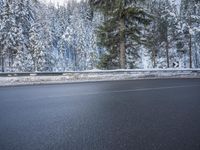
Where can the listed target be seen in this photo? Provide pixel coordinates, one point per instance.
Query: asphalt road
(120, 115)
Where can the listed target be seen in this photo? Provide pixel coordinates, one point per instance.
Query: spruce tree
(122, 19)
(190, 26)
(8, 34)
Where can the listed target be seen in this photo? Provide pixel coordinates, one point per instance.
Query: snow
(63, 38)
(191, 32)
(172, 14)
(197, 29)
(100, 75)
(60, 2)
(177, 3)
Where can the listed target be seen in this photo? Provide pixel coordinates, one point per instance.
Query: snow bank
(97, 75)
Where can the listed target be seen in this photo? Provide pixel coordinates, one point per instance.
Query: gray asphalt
(120, 115)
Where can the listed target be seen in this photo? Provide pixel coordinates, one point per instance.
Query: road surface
(119, 115)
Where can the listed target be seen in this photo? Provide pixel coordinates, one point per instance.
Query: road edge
(89, 81)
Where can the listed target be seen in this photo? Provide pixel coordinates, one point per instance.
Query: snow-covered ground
(100, 75)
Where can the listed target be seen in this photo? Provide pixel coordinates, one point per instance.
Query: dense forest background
(86, 35)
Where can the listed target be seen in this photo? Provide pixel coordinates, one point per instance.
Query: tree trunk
(2, 63)
(75, 61)
(167, 47)
(190, 43)
(190, 50)
(34, 65)
(167, 52)
(9, 58)
(154, 57)
(122, 44)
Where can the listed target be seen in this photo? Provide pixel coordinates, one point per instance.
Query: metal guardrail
(136, 71)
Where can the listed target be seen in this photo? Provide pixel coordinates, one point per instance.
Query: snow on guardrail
(94, 75)
(148, 71)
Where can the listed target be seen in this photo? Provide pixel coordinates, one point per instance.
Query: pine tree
(25, 16)
(163, 33)
(36, 45)
(190, 25)
(153, 39)
(168, 27)
(8, 31)
(22, 60)
(121, 23)
(46, 34)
